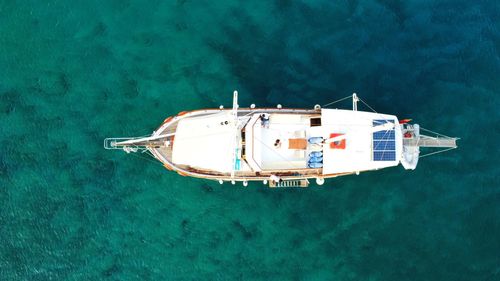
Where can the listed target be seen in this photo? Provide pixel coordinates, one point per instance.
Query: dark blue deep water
(75, 72)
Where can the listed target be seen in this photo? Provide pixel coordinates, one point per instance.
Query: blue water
(75, 72)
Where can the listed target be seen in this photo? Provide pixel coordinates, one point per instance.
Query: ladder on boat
(289, 183)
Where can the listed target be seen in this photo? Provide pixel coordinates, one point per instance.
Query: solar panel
(384, 155)
(384, 142)
(384, 135)
(384, 145)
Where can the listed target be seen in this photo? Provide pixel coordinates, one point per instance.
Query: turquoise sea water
(75, 72)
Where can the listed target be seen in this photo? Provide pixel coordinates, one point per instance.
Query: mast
(234, 112)
(355, 100)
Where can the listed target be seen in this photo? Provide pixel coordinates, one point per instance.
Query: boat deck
(271, 156)
(280, 143)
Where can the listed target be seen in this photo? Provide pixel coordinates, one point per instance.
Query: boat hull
(164, 153)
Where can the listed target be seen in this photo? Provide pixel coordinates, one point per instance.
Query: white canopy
(358, 128)
(205, 142)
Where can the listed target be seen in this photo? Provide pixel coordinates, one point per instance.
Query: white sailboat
(283, 146)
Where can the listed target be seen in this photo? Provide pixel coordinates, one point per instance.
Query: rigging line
(336, 124)
(328, 104)
(381, 118)
(436, 152)
(225, 134)
(187, 138)
(438, 134)
(367, 105)
(130, 138)
(146, 135)
(302, 129)
(147, 159)
(148, 152)
(251, 112)
(211, 134)
(424, 129)
(380, 115)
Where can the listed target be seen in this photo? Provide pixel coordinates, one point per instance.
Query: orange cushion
(297, 143)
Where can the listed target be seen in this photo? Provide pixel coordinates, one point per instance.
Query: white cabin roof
(358, 154)
(205, 142)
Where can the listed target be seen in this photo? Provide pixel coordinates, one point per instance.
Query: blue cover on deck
(384, 142)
